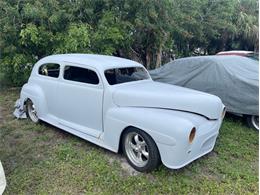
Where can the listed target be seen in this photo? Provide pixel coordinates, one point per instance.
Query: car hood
(152, 94)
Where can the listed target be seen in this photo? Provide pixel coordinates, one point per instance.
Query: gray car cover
(232, 78)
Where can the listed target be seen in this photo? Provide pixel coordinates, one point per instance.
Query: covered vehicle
(233, 78)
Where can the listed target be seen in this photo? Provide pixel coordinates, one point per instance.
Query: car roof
(101, 62)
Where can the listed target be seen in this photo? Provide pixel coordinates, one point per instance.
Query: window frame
(46, 76)
(100, 84)
(149, 76)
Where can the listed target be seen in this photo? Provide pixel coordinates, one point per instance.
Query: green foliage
(76, 39)
(148, 31)
(33, 40)
(108, 36)
(16, 69)
(247, 23)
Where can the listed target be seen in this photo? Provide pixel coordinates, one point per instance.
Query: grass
(41, 159)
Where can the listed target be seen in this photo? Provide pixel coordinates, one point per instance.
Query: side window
(50, 69)
(82, 75)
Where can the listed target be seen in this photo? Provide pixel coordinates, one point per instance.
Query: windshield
(123, 75)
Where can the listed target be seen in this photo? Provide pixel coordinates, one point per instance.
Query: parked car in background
(232, 78)
(114, 103)
(249, 54)
(2, 179)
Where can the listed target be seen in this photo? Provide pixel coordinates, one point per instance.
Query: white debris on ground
(19, 111)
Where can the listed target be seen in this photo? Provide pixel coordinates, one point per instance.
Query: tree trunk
(159, 57)
(148, 60)
(134, 55)
(159, 51)
(223, 43)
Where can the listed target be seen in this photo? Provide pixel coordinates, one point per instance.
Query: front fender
(163, 126)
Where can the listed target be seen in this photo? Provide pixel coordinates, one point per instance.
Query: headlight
(223, 113)
(192, 134)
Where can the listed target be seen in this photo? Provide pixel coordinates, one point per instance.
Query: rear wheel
(252, 121)
(140, 150)
(31, 111)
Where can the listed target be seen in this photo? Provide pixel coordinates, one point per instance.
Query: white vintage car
(114, 103)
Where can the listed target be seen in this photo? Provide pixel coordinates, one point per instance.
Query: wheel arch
(36, 95)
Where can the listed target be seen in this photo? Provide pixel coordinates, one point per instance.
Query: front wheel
(140, 150)
(31, 111)
(252, 121)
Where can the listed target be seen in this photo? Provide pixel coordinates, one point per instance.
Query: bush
(15, 70)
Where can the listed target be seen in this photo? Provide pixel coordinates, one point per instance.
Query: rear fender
(36, 95)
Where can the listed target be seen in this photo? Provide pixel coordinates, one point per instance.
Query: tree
(247, 22)
(148, 31)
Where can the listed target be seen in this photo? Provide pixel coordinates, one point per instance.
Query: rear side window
(82, 75)
(50, 70)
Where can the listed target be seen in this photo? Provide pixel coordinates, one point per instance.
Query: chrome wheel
(136, 149)
(140, 150)
(255, 122)
(31, 111)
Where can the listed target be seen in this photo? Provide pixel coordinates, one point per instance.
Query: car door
(47, 79)
(80, 100)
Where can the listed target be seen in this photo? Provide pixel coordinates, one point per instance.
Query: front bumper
(183, 152)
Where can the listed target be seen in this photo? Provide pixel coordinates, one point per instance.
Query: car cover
(232, 78)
